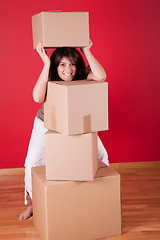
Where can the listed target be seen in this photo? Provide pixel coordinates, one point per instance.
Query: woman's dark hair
(74, 56)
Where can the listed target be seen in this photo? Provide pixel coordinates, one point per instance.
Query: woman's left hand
(84, 49)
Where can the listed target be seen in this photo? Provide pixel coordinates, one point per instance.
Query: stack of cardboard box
(72, 198)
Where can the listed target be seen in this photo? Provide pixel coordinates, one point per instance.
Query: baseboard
(116, 166)
(154, 164)
(12, 171)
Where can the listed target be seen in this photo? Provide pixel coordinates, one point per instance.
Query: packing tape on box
(53, 117)
(87, 123)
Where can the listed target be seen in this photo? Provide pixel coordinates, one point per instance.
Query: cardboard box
(76, 107)
(77, 210)
(57, 29)
(71, 157)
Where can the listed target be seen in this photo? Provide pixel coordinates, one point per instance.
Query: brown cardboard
(57, 29)
(76, 107)
(77, 210)
(71, 157)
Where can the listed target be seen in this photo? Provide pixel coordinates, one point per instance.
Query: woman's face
(66, 69)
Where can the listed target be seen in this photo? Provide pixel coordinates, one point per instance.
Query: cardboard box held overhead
(77, 210)
(57, 29)
(71, 157)
(76, 107)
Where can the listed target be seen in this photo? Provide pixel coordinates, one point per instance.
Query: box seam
(46, 213)
(67, 99)
(42, 23)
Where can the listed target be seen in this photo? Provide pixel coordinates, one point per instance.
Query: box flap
(76, 82)
(46, 12)
(101, 173)
(106, 172)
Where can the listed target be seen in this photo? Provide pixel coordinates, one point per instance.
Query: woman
(65, 64)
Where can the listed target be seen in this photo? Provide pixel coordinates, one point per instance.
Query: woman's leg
(102, 153)
(35, 157)
(36, 153)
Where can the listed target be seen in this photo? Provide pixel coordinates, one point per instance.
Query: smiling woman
(65, 64)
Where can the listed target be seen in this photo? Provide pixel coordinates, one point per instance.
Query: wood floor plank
(140, 190)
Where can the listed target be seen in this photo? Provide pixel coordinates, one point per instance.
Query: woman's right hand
(39, 91)
(43, 54)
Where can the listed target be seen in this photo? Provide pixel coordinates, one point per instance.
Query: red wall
(126, 37)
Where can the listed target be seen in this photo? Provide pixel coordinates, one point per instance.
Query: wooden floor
(140, 206)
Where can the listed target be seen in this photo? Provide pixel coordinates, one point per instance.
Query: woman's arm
(40, 87)
(97, 71)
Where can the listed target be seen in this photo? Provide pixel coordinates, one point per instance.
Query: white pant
(36, 153)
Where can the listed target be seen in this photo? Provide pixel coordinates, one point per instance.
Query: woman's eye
(62, 64)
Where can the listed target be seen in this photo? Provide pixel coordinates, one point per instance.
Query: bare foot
(27, 213)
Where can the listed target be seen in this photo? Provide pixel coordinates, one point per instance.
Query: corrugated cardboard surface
(76, 107)
(77, 210)
(56, 29)
(71, 157)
